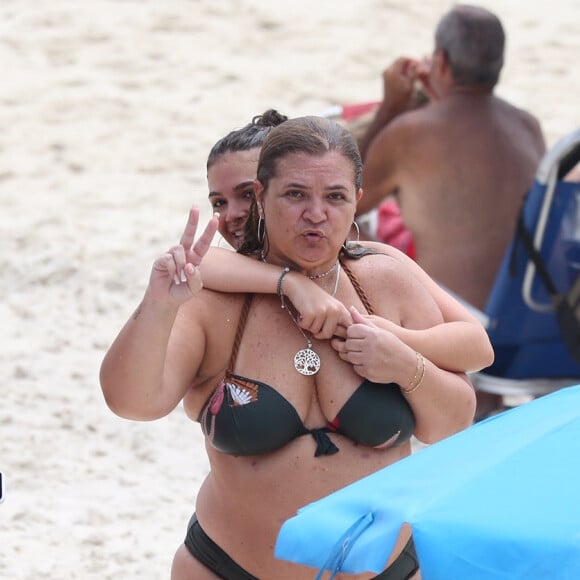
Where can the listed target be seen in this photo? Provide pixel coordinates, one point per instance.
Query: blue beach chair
(531, 356)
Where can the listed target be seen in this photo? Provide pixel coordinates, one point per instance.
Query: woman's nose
(238, 211)
(315, 212)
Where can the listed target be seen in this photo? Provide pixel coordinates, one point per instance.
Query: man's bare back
(463, 166)
(459, 167)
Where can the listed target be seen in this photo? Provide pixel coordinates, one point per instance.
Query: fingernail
(176, 279)
(183, 276)
(216, 214)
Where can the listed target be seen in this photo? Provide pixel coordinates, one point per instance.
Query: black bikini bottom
(206, 551)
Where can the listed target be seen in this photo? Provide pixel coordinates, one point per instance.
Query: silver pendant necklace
(306, 360)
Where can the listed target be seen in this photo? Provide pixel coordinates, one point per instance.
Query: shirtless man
(459, 166)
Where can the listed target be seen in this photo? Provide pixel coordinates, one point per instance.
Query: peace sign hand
(175, 276)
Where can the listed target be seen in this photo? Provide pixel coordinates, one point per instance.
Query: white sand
(107, 111)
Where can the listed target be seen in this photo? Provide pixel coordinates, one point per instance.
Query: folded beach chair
(533, 313)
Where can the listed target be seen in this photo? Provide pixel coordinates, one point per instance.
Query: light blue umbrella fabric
(500, 500)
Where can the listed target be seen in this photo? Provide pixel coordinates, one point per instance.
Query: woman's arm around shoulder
(459, 342)
(228, 271)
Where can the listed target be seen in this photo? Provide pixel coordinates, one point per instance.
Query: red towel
(391, 229)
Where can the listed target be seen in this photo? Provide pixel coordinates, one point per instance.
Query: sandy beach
(108, 109)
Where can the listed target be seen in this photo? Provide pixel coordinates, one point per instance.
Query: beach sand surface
(108, 109)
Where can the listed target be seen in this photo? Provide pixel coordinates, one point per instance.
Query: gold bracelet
(423, 368)
(412, 381)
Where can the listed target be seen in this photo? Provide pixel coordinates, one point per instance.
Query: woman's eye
(295, 193)
(248, 194)
(218, 203)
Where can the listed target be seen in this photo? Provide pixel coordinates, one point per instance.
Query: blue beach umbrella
(500, 500)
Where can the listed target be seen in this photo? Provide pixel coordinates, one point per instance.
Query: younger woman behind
(231, 171)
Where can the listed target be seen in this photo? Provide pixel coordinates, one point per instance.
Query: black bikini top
(245, 416)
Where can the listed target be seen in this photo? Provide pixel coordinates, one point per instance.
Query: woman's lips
(313, 235)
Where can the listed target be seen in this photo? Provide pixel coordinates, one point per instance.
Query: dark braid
(240, 332)
(359, 289)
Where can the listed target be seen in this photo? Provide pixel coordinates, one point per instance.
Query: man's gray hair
(473, 40)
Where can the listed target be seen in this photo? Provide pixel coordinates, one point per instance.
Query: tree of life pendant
(307, 362)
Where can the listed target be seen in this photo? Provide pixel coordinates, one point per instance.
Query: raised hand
(175, 276)
(399, 83)
(423, 72)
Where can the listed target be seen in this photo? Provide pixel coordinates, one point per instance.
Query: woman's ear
(258, 191)
(359, 195)
(259, 195)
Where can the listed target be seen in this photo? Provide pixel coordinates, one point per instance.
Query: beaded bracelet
(279, 287)
(413, 387)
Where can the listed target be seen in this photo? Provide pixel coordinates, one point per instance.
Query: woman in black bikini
(293, 405)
